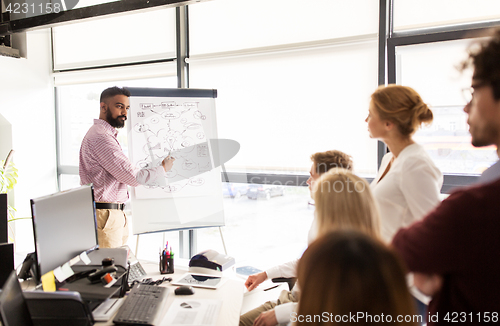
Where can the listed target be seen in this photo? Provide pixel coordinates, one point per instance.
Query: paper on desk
(192, 312)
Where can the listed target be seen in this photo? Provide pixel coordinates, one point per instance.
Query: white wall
(27, 102)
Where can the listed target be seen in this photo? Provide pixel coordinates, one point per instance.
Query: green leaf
(8, 177)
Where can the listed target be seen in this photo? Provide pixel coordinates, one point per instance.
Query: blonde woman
(408, 183)
(343, 201)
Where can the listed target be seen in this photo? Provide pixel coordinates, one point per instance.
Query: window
(418, 14)
(265, 224)
(234, 25)
(283, 107)
(295, 83)
(115, 40)
(431, 69)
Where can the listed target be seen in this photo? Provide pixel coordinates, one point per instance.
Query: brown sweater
(459, 240)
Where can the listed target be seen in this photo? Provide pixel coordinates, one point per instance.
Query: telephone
(96, 276)
(28, 269)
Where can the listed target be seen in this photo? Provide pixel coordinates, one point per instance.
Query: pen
(272, 287)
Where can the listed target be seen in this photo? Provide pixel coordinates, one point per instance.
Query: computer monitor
(64, 225)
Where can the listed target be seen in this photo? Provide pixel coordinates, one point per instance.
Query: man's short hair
(325, 161)
(486, 62)
(113, 91)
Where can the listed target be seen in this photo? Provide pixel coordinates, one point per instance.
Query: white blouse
(408, 191)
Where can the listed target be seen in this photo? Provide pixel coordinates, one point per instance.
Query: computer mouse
(184, 290)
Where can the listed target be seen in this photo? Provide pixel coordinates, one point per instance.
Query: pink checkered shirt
(103, 163)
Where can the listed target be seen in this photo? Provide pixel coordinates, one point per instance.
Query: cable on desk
(149, 281)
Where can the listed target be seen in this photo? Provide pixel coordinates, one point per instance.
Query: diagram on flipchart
(178, 127)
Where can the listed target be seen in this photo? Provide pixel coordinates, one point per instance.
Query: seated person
(346, 273)
(452, 250)
(343, 201)
(321, 163)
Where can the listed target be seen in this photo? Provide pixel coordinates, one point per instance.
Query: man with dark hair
(452, 251)
(324, 161)
(274, 312)
(103, 163)
(484, 124)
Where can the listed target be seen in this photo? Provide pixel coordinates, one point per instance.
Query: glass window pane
(228, 25)
(285, 213)
(283, 107)
(150, 244)
(431, 69)
(79, 106)
(114, 40)
(412, 14)
(69, 181)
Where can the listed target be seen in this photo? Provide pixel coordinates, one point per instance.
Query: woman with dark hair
(350, 277)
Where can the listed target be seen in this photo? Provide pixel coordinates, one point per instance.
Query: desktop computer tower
(4, 213)
(6, 261)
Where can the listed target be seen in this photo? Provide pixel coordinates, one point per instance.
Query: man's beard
(117, 123)
(486, 137)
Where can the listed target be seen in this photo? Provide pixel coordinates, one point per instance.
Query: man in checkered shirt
(103, 164)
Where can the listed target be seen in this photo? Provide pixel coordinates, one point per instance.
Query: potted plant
(8, 179)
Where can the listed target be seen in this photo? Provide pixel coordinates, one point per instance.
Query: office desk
(231, 294)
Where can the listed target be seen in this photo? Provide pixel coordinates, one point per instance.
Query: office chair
(290, 280)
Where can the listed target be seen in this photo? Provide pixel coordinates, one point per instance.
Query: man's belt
(109, 206)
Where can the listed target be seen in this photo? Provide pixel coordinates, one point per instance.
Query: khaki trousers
(112, 228)
(249, 317)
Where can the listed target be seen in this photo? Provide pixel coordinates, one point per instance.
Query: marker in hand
(168, 163)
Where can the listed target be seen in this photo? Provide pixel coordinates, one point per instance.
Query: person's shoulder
(478, 194)
(98, 132)
(415, 152)
(477, 203)
(386, 158)
(491, 174)
(417, 157)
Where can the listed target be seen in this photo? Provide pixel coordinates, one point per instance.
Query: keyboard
(142, 305)
(136, 272)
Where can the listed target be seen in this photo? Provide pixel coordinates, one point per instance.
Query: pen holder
(170, 265)
(163, 264)
(166, 265)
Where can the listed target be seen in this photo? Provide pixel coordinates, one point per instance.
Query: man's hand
(168, 163)
(428, 284)
(267, 318)
(254, 280)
